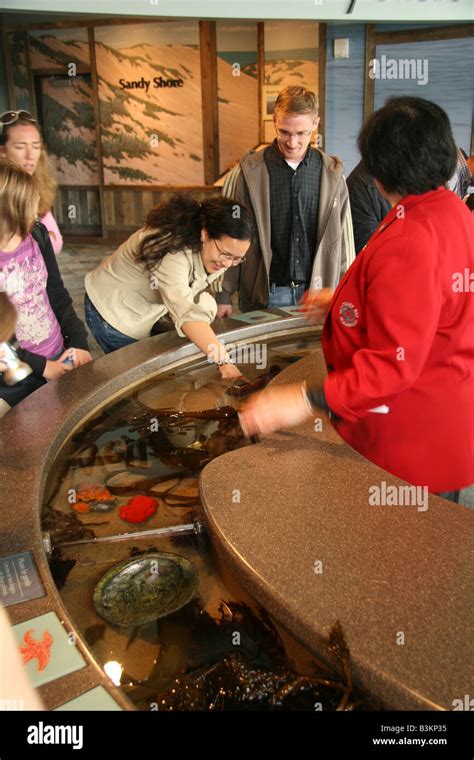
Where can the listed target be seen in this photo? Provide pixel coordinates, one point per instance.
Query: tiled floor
(76, 260)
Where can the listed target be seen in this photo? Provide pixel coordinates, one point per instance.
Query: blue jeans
(108, 338)
(285, 296)
(13, 394)
(450, 495)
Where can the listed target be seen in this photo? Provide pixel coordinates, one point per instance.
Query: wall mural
(150, 103)
(238, 89)
(291, 58)
(17, 44)
(58, 48)
(64, 102)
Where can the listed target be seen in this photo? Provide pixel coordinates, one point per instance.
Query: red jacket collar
(407, 202)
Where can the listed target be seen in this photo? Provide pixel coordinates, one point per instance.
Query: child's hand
(54, 370)
(79, 356)
(3, 367)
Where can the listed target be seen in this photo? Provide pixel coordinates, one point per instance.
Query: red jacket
(399, 334)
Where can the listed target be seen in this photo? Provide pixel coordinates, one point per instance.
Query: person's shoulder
(184, 258)
(329, 163)
(39, 235)
(253, 158)
(359, 176)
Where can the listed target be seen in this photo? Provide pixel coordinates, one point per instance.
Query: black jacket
(72, 329)
(368, 206)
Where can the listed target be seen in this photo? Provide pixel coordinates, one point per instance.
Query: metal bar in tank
(156, 532)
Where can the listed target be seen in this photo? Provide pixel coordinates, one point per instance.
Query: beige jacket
(131, 299)
(249, 184)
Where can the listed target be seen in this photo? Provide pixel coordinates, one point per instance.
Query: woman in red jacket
(398, 337)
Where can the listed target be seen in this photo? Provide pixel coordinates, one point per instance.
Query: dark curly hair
(408, 146)
(177, 224)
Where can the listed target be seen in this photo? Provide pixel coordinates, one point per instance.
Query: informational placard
(293, 311)
(252, 317)
(19, 579)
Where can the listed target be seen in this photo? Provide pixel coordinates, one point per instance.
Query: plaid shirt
(461, 179)
(294, 199)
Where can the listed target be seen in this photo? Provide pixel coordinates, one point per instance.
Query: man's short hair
(296, 101)
(408, 146)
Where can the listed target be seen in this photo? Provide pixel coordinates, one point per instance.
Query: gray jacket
(248, 183)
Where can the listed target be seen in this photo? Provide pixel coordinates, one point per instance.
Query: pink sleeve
(56, 238)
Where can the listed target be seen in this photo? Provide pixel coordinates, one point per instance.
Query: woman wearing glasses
(22, 144)
(157, 278)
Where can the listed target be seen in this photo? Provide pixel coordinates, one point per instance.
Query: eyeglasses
(283, 133)
(236, 260)
(11, 117)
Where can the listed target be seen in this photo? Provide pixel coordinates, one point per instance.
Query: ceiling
(42, 11)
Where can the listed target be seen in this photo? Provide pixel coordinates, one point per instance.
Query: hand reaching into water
(229, 372)
(273, 409)
(315, 304)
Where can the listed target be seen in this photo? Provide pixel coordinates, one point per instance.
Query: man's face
(293, 134)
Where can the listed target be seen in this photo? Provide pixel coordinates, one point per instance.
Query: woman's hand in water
(273, 409)
(229, 372)
(315, 304)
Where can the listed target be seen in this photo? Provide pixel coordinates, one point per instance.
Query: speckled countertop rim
(423, 683)
(35, 432)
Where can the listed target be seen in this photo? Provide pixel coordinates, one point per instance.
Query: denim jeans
(13, 394)
(450, 495)
(285, 295)
(108, 338)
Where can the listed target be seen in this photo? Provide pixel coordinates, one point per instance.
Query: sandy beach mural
(58, 48)
(65, 103)
(17, 44)
(291, 58)
(150, 103)
(238, 89)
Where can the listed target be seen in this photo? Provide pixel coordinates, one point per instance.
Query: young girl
(21, 143)
(29, 275)
(163, 269)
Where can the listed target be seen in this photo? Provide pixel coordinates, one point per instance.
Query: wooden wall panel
(209, 94)
(87, 210)
(322, 82)
(126, 208)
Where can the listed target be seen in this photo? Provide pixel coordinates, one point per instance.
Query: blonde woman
(48, 330)
(22, 144)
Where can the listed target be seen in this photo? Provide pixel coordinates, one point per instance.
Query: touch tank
(131, 558)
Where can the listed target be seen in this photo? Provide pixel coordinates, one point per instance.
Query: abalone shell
(142, 589)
